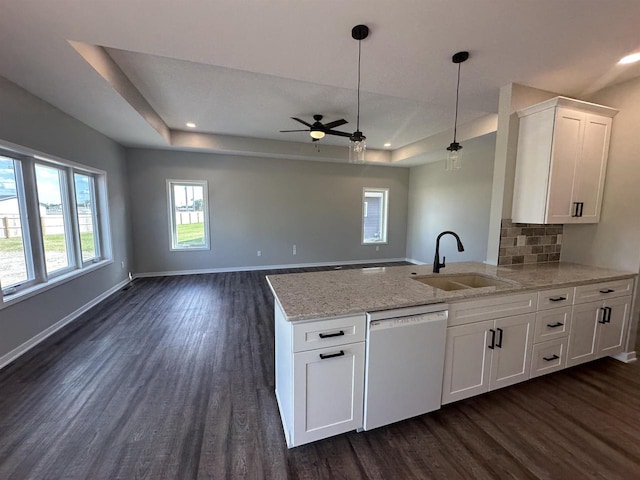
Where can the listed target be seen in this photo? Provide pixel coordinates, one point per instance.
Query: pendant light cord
(455, 123)
(358, 117)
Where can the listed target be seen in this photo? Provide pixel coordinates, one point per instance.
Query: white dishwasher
(404, 363)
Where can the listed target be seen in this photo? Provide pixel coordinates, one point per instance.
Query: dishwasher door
(404, 367)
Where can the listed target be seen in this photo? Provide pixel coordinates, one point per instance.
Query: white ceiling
(244, 67)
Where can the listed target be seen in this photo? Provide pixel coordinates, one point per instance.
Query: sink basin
(460, 282)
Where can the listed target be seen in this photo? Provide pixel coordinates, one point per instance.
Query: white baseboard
(626, 357)
(32, 342)
(264, 267)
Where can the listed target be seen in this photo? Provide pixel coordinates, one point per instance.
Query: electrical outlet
(294, 249)
(259, 253)
(122, 263)
(377, 248)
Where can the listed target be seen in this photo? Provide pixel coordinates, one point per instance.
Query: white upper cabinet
(561, 163)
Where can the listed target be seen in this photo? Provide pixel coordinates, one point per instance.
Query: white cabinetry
(484, 355)
(319, 376)
(561, 162)
(598, 329)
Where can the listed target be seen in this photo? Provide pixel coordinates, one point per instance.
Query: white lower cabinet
(598, 329)
(319, 376)
(327, 391)
(487, 355)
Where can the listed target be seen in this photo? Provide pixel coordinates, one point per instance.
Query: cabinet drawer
(490, 308)
(328, 333)
(558, 297)
(552, 324)
(603, 291)
(549, 356)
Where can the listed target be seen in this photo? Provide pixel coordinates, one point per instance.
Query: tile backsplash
(529, 243)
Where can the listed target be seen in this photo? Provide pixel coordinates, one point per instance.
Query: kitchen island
(540, 318)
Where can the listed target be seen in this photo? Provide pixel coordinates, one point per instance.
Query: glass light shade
(317, 134)
(357, 149)
(454, 159)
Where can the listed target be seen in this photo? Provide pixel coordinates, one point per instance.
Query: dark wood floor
(174, 378)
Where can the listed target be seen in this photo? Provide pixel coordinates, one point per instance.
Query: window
(53, 222)
(54, 218)
(15, 251)
(374, 215)
(87, 216)
(188, 214)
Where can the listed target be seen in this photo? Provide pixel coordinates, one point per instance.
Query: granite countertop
(342, 292)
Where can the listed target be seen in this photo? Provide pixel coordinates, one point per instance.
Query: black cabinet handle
(576, 209)
(493, 339)
(607, 315)
(551, 358)
(557, 299)
(499, 344)
(329, 335)
(581, 205)
(331, 355)
(608, 290)
(555, 325)
(603, 320)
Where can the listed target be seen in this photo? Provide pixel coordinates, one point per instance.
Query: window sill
(8, 300)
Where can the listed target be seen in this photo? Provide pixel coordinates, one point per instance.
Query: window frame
(32, 231)
(95, 219)
(173, 232)
(69, 231)
(384, 220)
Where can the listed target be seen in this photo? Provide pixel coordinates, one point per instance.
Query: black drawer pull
(331, 355)
(499, 343)
(329, 335)
(551, 358)
(493, 339)
(608, 290)
(555, 325)
(557, 299)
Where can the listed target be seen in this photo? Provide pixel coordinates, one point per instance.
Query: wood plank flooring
(174, 379)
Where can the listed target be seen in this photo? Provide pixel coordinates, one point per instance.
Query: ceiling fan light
(317, 134)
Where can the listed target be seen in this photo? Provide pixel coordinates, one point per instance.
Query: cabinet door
(511, 362)
(593, 164)
(567, 144)
(611, 335)
(467, 361)
(582, 337)
(328, 387)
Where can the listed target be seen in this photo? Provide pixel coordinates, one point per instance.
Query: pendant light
(454, 159)
(357, 141)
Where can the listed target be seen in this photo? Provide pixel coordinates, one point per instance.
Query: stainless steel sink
(460, 281)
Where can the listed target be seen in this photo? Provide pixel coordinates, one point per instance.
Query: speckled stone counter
(342, 292)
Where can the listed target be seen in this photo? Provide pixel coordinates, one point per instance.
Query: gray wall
(458, 201)
(615, 241)
(28, 121)
(262, 204)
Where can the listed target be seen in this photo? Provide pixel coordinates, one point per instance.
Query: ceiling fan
(318, 130)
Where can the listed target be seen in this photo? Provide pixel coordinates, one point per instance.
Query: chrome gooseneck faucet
(436, 259)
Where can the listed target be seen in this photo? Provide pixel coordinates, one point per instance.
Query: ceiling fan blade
(335, 124)
(339, 134)
(287, 131)
(301, 121)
